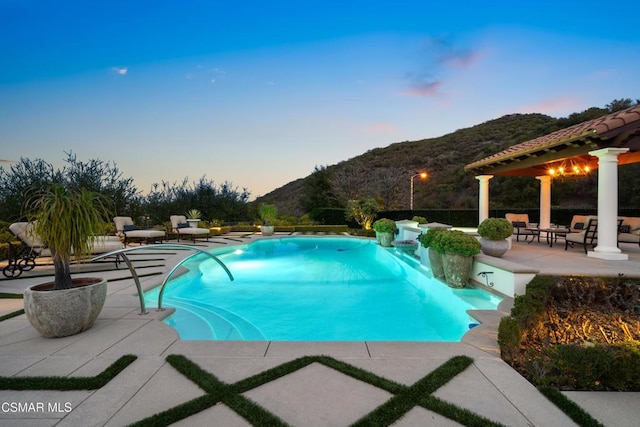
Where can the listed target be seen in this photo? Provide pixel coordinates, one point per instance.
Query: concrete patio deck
(315, 395)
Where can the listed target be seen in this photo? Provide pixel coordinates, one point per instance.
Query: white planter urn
(193, 222)
(495, 248)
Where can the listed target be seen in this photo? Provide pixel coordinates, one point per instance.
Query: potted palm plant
(494, 233)
(193, 217)
(65, 220)
(385, 231)
(457, 249)
(268, 212)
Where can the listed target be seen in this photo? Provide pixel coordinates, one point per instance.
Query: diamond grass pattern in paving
(311, 380)
(395, 399)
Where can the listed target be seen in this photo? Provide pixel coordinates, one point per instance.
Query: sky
(258, 93)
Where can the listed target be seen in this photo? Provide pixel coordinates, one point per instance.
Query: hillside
(386, 172)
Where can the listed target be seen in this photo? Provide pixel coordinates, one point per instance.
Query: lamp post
(422, 175)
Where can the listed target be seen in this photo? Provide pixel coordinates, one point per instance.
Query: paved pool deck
(315, 395)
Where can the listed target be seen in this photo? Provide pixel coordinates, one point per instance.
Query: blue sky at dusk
(259, 93)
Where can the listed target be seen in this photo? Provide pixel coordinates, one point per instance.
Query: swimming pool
(317, 289)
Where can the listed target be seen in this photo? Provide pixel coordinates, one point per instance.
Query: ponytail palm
(65, 220)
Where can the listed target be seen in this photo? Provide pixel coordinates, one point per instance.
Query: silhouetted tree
(317, 191)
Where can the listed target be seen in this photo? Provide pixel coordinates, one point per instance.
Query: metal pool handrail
(122, 253)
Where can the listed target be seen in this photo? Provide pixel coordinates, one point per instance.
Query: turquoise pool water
(317, 289)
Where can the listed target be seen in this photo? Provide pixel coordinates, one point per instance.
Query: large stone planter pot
(423, 253)
(65, 312)
(495, 248)
(385, 239)
(267, 230)
(435, 261)
(457, 269)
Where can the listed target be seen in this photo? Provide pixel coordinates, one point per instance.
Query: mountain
(385, 173)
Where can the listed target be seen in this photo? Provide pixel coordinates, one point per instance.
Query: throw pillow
(183, 225)
(129, 227)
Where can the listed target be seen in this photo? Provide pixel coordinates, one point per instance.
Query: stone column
(483, 205)
(545, 201)
(607, 247)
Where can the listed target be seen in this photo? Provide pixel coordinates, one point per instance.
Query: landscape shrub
(426, 239)
(575, 333)
(384, 225)
(595, 367)
(495, 228)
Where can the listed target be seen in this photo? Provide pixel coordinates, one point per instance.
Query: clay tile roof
(594, 129)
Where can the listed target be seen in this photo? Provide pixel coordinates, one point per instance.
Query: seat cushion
(193, 231)
(513, 217)
(144, 234)
(633, 223)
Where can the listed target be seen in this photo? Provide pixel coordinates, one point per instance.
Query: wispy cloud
(120, 70)
(437, 56)
(449, 55)
(420, 87)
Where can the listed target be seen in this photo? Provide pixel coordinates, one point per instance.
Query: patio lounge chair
(182, 228)
(520, 224)
(125, 228)
(33, 247)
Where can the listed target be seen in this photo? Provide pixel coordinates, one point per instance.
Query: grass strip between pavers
(12, 314)
(67, 383)
(4, 295)
(566, 405)
(10, 296)
(420, 394)
(405, 398)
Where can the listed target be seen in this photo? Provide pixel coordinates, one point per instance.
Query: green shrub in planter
(495, 228)
(456, 242)
(384, 225)
(419, 219)
(427, 238)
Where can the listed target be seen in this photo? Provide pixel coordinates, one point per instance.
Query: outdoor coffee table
(553, 233)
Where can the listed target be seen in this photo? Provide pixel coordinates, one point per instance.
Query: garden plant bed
(576, 333)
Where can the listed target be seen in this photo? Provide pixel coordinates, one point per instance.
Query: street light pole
(422, 175)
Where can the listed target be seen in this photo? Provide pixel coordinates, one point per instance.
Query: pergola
(602, 144)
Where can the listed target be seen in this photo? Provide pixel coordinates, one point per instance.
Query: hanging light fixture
(569, 169)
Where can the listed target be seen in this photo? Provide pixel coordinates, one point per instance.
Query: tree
(94, 175)
(349, 183)
(621, 104)
(318, 192)
(224, 202)
(17, 181)
(362, 211)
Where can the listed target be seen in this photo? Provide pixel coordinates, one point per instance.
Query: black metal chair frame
(20, 260)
